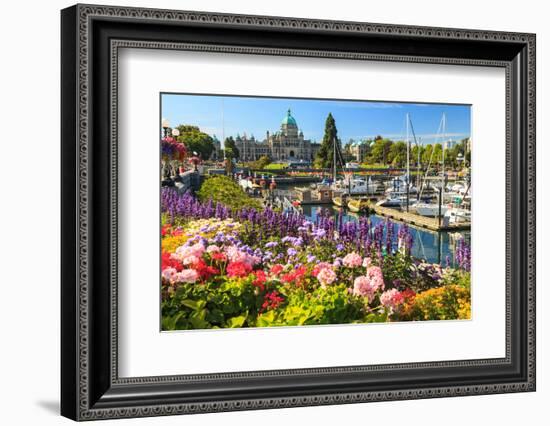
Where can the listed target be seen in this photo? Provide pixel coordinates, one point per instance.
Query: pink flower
(317, 268)
(326, 276)
(169, 274)
(189, 254)
(363, 287)
(187, 276)
(366, 262)
(190, 260)
(236, 255)
(197, 249)
(212, 249)
(391, 299)
(374, 274)
(352, 260)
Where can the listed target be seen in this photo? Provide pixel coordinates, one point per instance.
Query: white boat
(430, 209)
(356, 186)
(456, 215)
(398, 186)
(396, 201)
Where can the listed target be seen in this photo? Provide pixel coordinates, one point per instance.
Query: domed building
(286, 144)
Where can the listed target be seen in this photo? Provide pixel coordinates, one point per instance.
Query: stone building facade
(287, 143)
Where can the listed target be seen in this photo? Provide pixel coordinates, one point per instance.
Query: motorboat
(457, 215)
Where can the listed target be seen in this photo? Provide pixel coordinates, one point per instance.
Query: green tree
(196, 141)
(416, 152)
(260, 163)
(438, 154)
(325, 155)
(230, 144)
(223, 189)
(397, 154)
(380, 150)
(427, 154)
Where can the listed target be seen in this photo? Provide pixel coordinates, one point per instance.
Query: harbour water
(429, 245)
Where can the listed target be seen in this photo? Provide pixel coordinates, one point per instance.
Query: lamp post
(165, 126)
(175, 134)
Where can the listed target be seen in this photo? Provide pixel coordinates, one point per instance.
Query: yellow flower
(441, 303)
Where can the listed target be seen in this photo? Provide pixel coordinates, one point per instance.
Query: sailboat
(401, 190)
(436, 209)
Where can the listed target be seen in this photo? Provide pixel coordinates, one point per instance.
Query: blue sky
(354, 119)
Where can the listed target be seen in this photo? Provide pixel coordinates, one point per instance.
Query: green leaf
(266, 319)
(196, 305)
(190, 304)
(236, 322)
(170, 322)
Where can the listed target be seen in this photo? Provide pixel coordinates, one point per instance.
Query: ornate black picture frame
(91, 37)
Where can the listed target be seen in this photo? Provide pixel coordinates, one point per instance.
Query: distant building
(287, 144)
(469, 145)
(450, 144)
(359, 150)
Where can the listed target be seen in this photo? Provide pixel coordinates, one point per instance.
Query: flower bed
(247, 268)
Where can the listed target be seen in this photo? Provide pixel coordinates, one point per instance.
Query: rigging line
(431, 155)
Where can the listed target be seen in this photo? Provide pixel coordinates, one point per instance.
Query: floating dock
(414, 219)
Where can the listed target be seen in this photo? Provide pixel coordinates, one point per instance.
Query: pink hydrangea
(352, 260)
(391, 299)
(374, 274)
(326, 276)
(366, 262)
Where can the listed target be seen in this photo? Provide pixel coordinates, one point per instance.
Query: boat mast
(223, 132)
(418, 183)
(408, 162)
(443, 155)
(334, 159)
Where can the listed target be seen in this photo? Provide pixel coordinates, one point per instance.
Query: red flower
(221, 257)
(296, 275)
(205, 271)
(277, 269)
(260, 279)
(168, 262)
(272, 300)
(408, 295)
(238, 269)
(165, 229)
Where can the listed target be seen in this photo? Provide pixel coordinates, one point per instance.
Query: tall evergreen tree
(325, 155)
(229, 144)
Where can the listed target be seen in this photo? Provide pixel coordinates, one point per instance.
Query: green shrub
(224, 190)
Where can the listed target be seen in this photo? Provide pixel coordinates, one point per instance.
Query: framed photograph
(263, 212)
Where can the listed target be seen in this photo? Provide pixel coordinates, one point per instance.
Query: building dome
(289, 120)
